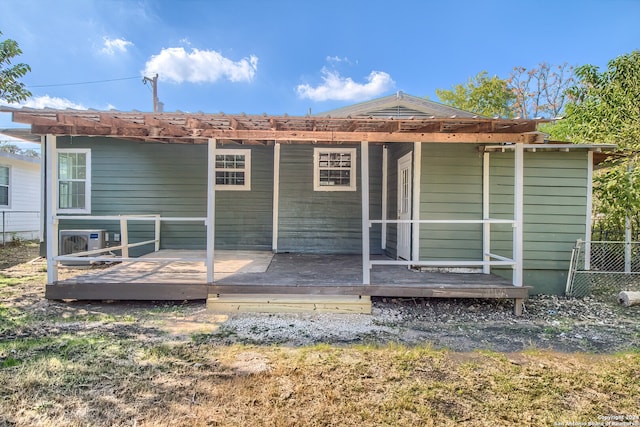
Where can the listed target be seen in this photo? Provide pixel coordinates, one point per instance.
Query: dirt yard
(412, 362)
(595, 325)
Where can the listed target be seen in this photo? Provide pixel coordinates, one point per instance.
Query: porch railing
(489, 259)
(125, 245)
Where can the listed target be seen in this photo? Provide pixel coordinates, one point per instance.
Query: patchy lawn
(145, 364)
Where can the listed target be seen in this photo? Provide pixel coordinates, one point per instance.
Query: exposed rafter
(196, 128)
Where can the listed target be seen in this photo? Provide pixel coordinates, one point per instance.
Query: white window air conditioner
(74, 241)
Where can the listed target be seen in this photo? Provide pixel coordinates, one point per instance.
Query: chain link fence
(604, 268)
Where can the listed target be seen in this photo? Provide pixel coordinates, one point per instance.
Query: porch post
(211, 207)
(44, 189)
(385, 167)
(587, 237)
(51, 210)
(276, 196)
(627, 231)
(415, 229)
(486, 225)
(518, 214)
(364, 178)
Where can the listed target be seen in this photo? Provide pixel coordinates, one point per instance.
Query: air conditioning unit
(74, 241)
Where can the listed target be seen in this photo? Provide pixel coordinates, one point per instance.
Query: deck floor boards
(263, 272)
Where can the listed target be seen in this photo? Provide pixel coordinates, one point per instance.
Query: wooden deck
(248, 272)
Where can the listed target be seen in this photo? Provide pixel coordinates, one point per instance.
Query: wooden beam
(76, 121)
(197, 124)
(289, 303)
(235, 124)
(328, 136)
(163, 127)
(33, 120)
(430, 128)
(115, 122)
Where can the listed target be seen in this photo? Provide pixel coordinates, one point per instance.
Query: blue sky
(286, 56)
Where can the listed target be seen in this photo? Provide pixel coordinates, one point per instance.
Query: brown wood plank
(330, 136)
(127, 291)
(400, 291)
(289, 303)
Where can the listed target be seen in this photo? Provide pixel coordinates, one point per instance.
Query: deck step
(289, 303)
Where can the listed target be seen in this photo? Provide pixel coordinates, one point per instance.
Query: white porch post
(51, 210)
(486, 225)
(43, 189)
(587, 237)
(124, 237)
(364, 178)
(211, 207)
(385, 167)
(415, 229)
(518, 214)
(276, 196)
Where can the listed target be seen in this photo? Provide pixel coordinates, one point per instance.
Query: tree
(605, 107)
(10, 148)
(483, 95)
(541, 91)
(11, 89)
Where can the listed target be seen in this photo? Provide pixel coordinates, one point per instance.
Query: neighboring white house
(19, 197)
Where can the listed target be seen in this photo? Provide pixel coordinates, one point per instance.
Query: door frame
(404, 206)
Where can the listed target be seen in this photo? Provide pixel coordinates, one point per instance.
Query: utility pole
(154, 85)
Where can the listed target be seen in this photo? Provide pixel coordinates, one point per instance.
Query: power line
(85, 83)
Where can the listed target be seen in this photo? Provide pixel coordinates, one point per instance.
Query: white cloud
(111, 46)
(47, 101)
(336, 87)
(199, 66)
(337, 60)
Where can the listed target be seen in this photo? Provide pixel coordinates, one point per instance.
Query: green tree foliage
(605, 107)
(10, 148)
(484, 95)
(11, 89)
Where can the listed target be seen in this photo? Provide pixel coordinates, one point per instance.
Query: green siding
(171, 180)
(324, 221)
(555, 194)
(555, 197)
(451, 188)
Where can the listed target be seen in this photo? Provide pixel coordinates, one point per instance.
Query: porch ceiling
(196, 128)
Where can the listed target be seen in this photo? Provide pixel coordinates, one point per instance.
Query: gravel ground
(549, 322)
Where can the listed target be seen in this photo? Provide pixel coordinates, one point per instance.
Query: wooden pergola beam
(329, 136)
(317, 136)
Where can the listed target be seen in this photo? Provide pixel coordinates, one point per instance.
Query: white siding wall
(22, 217)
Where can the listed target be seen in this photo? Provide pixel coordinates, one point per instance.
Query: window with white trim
(4, 186)
(74, 180)
(233, 169)
(334, 169)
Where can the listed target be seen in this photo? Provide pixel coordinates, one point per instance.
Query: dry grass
(95, 380)
(76, 365)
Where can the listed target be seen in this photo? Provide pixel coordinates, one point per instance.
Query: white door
(404, 206)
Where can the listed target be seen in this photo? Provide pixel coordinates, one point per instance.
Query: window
(334, 169)
(233, 169)
(4, 186)
(74, 181)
